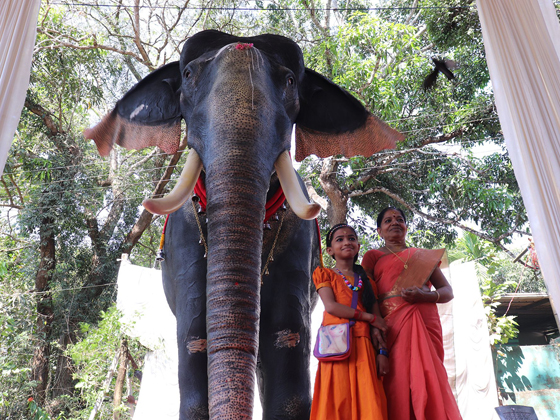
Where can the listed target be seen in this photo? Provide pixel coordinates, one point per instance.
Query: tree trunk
(337, 209)
(63, 382)
(117, 397)
(40, 363)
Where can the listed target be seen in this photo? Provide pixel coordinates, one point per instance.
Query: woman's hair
(385, 210)
(368, 297)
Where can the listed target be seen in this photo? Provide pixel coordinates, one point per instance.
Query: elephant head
(240, 98)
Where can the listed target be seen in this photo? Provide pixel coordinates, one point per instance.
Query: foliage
(38, 413)
(501, 328)
(383, 60)
(499, 268)
(16, 338)
(498, 274)
(470, 247)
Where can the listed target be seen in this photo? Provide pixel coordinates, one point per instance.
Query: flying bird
(444, 66)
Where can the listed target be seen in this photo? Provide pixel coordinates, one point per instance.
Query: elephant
(240, 98)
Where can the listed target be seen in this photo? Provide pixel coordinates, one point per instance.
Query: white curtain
(522, 42)
(18, 27)
(147, 317)
(466, 341)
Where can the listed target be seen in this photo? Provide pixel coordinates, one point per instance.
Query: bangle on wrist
(374, 318)
(383, 351)
(438, 296)
(357, 314)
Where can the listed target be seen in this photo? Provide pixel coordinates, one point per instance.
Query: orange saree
(416, 386)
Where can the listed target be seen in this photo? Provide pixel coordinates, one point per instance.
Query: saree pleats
(417, 386)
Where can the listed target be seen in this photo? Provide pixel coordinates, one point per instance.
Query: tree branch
(136, 28)
(10, 198)
(443, 138)
(314, 196)
(404, 203)
(146, 217)
(44, 115)
(57, 43)
(411, 12)
(14, 183)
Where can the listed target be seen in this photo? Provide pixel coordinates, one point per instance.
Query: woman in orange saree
(416, 384)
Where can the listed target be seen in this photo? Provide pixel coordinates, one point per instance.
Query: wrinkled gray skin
(240, 105)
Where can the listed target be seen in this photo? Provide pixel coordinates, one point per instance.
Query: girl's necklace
(350, 286)
(404, 262)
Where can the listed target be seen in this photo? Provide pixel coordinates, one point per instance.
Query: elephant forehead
(241, 51)
(278, 48)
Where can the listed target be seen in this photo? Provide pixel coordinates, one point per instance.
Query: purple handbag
(334, 341)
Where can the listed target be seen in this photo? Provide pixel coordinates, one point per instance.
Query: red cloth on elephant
(416, 384)
(347, 389)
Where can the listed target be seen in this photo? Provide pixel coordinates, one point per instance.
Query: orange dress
(347, 389)
(416, 385)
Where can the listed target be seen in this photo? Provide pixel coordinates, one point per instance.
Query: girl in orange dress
(349, 389)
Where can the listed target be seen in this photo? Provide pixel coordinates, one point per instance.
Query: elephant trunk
(246, 132)
(235, 224)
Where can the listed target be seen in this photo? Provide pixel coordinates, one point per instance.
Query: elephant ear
(332, 122)
(147, 115)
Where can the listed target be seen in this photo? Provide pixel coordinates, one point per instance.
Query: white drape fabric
(522, 43)
(18, 27)
(147, 317)
(466, 341)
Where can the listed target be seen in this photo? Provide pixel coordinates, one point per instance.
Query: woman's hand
(415, 295)
(382, 363)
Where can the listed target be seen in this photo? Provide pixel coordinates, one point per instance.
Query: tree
(73, 217)
(385, 59)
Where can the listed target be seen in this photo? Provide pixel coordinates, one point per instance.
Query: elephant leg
(184, 274)
(284, 352)
(193, 378)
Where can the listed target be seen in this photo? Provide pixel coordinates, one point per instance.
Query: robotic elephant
(240, 98)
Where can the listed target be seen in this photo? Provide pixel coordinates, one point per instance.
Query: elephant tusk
(292, 190)
(182, 191)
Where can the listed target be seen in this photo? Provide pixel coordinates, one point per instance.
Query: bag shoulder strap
(355, 295)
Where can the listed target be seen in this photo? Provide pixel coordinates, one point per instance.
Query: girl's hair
(385, 210)
(368, 297)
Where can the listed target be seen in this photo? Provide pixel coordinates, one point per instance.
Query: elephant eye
(186, 74)
(290, 81)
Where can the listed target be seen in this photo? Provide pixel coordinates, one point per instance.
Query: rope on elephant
(271, 253)
(202, 240)
(159, 255)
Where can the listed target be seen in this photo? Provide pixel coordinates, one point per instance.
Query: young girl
(349, 389)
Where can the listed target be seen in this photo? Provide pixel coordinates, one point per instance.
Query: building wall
(530, 375)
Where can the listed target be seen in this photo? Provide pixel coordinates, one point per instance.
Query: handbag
(327, 349)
